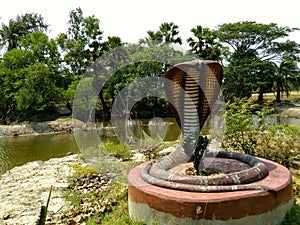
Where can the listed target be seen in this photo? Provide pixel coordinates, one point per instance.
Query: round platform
(166, 206)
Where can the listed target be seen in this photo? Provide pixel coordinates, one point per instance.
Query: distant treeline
(38, 73)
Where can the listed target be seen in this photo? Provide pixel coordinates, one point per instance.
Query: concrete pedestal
(165, 206)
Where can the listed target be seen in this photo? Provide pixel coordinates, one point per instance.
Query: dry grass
(272, 97)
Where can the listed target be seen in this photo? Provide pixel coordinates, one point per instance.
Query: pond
(16, 151)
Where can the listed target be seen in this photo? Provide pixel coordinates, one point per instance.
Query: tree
(239, 79)
(12, 78)
(12, 33)
(38, 90)
(30, 76)
(253, 47)
(33, 22)
(167, 33)
(286, 75)
(81, 43)
(115, 58)
(204, 43)
(45, 50)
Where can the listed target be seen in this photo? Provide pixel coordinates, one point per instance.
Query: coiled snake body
(193, 89)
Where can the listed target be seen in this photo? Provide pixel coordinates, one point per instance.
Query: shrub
(248, 131)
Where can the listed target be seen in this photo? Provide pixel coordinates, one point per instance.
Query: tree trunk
(260, 95)
(106, 109)
(277, 92)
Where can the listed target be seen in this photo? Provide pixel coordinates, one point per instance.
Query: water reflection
(15, 151)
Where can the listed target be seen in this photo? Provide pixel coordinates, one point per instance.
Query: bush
(248, 131)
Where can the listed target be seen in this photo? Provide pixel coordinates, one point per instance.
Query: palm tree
(287, 74)
(11, 34)
(203, 43)
(167, 33)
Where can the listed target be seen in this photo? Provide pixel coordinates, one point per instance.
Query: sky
(131, 19)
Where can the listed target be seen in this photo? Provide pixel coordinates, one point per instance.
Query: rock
(291, 112)
(25, 189)
(138, 157)
(166, 151)
(33, 128)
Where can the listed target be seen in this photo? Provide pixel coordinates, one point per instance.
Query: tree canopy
(38, 72)
(254, 50)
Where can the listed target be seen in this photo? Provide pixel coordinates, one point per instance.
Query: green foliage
(44, 210)
(86, 97)
(11, 34)
(286, 77)
(81, 43)
(38, 90)
(28, 101)
(113, 202)
(279, 143)
(200, 151)
(119, 215)
(248, 131)
(296, 185)
(167, 33)
(80, 170)
(205, 44)
(240, 132)
(293, 216)
(254, 47)
(248, 49)
(119, 150)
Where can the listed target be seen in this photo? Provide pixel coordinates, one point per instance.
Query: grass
(114, 200)
(293, 217)
(272, 97)
(118, 150)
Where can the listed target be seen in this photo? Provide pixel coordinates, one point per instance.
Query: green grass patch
(118, 150)
(293, 216)
(80, 170)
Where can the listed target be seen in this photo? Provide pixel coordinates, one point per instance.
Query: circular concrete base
(165, 206)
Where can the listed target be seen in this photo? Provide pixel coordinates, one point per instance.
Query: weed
(80, 170)
(118, 150)
(44, 211)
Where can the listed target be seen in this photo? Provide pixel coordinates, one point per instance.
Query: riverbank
(25, 189)
(47, 127)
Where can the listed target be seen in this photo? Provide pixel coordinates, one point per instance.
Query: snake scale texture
(193, 90)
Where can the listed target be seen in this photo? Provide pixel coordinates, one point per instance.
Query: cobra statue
(192, 89)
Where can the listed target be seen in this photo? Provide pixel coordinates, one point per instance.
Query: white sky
(131, 19)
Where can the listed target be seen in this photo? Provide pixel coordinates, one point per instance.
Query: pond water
(16, 151)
